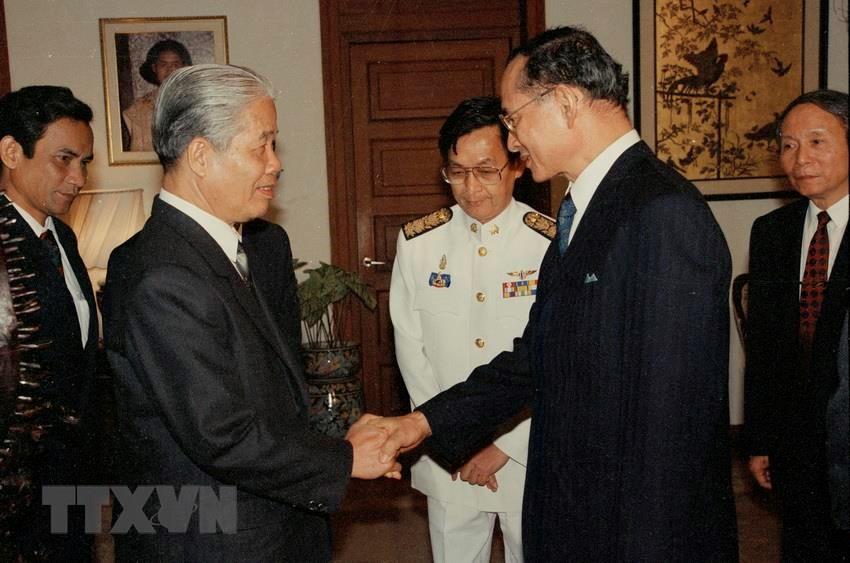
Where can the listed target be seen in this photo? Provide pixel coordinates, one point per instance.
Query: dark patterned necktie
(242, 263)
(814, 281)
(565, 221)
(53, 250)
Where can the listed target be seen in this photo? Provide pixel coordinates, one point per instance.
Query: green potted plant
(332, 364)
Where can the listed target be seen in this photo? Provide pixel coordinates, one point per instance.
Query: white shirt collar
(838, 213)
(224, 235)
(585, 185)
(36, 227)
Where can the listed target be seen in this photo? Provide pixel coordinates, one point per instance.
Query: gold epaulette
(413, 229)
(540, 223)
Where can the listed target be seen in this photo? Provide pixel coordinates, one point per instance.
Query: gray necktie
(565, 221)
(242, 262)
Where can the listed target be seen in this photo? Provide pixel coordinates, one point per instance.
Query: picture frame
(712, 76)
(137, 53)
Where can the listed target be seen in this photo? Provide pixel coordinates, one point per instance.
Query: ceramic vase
(333, 383)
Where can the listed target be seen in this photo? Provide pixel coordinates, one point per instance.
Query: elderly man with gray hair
(202, 334)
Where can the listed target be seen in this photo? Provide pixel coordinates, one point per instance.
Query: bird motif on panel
(709, 65)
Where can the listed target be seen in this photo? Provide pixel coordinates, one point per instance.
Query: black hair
(26, 113)
(470, 115)
(572, 56)
(830, 101)
(146, 68)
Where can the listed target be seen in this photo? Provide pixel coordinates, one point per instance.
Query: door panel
(394, 70)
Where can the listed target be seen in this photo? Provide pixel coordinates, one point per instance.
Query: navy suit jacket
(625, 363)
(209, 389)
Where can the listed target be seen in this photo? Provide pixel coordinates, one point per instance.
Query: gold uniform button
(479, 342)
(473, 227)
(482, 251)
(480, 296)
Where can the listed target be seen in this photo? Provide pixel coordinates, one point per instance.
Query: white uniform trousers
(462, 534)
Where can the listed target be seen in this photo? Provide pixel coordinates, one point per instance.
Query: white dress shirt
(224, 235)
(71, 281)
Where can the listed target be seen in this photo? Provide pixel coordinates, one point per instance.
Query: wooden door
(393, 71)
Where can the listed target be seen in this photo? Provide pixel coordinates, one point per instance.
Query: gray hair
(204, 100)
(830, 101)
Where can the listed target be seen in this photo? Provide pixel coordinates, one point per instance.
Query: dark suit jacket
(71, 367)
(785, 397)
(209, 389)
(625, 363)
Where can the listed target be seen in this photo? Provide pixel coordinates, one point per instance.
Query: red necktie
(814, 281)
(53, 250)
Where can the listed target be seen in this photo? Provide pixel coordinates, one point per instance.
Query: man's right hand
(760, 468)
(405, 433)
(367, 441)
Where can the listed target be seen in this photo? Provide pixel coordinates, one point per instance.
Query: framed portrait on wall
(712, 78)
(138, 54)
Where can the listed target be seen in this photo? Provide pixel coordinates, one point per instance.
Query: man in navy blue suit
(624, 360)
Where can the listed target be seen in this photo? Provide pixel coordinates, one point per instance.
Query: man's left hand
(482, 467)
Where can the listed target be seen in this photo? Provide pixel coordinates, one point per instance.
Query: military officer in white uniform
(463, 282)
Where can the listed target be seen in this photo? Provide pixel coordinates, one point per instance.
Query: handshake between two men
(377, 441)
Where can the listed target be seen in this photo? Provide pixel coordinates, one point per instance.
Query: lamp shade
(102, 220)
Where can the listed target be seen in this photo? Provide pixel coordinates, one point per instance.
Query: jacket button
(480, 297)
(474, 228)
(480, 342)
(482, 251)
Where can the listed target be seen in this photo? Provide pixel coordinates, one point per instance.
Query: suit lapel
(53, 286)
(207, 248)
(832, 313)
(790, 265)
(82, 275)
(603, 213)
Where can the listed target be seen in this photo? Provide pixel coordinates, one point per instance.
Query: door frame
(5, 78)
(344, 25)
(336, 44)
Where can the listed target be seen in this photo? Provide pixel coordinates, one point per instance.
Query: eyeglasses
(509, 121)
(487, 175)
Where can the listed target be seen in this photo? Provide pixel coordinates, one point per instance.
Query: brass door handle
(368, 262)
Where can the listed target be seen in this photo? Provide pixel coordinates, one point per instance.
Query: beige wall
(57, 41)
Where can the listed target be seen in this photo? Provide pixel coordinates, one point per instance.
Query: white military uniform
(460, 293)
